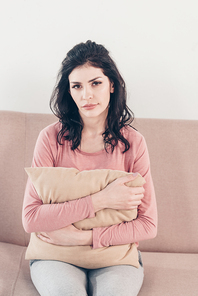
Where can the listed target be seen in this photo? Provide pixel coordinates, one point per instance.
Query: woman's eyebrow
(76, 82)
(94, 79)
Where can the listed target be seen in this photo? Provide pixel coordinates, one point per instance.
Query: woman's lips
(89, 106)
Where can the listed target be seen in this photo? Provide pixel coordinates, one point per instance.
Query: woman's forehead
(85, 73)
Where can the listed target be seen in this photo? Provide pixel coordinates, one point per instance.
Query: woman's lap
(52, 278)
(119, 280)
(59, 278)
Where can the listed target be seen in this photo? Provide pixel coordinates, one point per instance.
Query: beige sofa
(170, 260)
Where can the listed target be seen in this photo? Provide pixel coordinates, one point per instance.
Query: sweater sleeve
(145, 226)
(37, 216)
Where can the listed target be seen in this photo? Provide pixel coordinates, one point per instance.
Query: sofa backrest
(173, 148)
(18, 134)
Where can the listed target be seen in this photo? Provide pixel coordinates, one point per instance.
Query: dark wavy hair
(63, 106)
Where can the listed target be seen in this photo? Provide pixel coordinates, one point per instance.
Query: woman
(93, 132)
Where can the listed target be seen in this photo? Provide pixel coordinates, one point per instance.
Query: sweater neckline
(90, 153)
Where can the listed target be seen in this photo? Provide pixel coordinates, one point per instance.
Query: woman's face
(90, 90)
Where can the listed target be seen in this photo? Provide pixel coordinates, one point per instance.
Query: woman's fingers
(43, 236)
(118, 196)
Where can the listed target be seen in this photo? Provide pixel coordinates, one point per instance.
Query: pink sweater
(48, 217)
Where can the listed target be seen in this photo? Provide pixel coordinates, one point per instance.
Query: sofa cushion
(171, 274)
(165, 273)
(58, 184)
(14, 272)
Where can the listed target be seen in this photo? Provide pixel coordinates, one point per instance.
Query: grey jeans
(56, 278)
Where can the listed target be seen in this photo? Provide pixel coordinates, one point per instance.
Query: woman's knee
(57, 278)
(116, 281)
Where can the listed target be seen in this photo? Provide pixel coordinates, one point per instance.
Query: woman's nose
(87, 93)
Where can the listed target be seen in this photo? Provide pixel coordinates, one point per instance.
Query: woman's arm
(37, 216)
(145, 226)
(117, 192)
(68, 236)
(49, 217)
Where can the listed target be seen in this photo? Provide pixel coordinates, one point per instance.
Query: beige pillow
(56, 185)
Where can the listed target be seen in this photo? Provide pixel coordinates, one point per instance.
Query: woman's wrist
(86, 238)
(98, 201)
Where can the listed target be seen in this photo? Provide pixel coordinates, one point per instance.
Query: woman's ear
(112, 87)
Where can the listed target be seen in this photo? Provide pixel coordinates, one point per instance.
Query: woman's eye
(97, 82)
(76, 86)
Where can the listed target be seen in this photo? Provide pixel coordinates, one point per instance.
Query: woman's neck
(94, 126)
(91, 137)
(93, 129)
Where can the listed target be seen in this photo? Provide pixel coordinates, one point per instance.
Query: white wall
(155, 45)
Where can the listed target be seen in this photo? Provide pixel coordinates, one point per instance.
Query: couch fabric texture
(170, 260)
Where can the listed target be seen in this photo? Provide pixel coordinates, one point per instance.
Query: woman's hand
(118, 196)
(67, 236)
